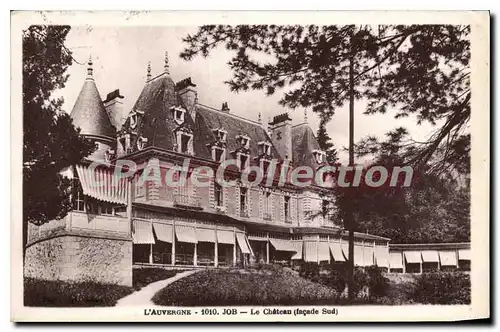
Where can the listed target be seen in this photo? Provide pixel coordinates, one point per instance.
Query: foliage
(325, 143)
(50, 141)
(244, 287)
(144, 276)
(57, 293)
(442, 288)
(377, 282)
(419, 70)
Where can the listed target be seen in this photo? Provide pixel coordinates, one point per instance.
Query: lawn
(145, 275)
(245, 287)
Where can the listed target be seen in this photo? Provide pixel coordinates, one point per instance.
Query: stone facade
(81, 258)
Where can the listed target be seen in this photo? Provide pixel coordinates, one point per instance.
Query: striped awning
(358, 255)
(368, 256)
(242, 243)
(143, 232)
(163, 232)
(323, 251)
(345, 250)
(205, 235)
(413, 257)
(396, 260)
(430, 256)
(282, 245)
(464, 254)
(310, 251)
(297, 245)
(448, 258)
(382, 256)
(185, 234)
(249, 246)
(336, 250)
(226, 237)
(100, 183)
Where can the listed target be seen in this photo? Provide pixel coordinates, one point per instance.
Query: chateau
(114, 227)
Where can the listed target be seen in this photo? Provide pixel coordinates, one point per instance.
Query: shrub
(377, 283)
(442, 288)
(144, 276)
(57, 293)
(310, 271)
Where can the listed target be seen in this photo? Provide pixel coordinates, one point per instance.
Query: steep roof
(89, 113)
(304, 143)
(235, 125)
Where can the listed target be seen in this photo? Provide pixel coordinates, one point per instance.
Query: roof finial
(149, 72)
(305, 116)
(90, 71)
(166, 66)
(260, 119)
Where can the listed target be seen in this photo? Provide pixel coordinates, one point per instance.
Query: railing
(288, 219)
(184, 259)
(268, 216)
(187, 200)
(223, 262)
(162, 258)
(244, 213)
(205, 260)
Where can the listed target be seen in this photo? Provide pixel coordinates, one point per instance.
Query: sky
(120, 56)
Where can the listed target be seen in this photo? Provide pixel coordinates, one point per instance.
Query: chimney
(281, 135)
(225, 107)
(114, 107)
(186, 91)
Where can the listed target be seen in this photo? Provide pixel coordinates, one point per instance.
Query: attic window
(319, 156)
(184, 143)
(178, 113)
(218, 154)
(244, 141)
(220, 135)
(265, 148)
(242, 160)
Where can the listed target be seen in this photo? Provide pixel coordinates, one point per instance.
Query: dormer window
(242, 160)
(244, 141)
(319, 156)
(264, 165)
(265, 148)
(141, 143)
(178, 113)
(220, 135)
(218, 154)
(184, 142)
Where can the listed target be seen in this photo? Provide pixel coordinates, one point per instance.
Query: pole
(350, 221)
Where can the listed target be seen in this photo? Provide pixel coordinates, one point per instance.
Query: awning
(336, 250)
(323, 251)
(249, 246)
(413, 257)
(143, 232)
(396, 260)
(368, 256)
(282, 245)
(226, 237)
(345, 250)
(297, 245)
(464, 254)
(242, 243)
(185, 234)
(163, 232)
(205, 235)
(358, 255)
(382, 256)
(430, 256)
(448, 258)
(310, 251)
(100, 184)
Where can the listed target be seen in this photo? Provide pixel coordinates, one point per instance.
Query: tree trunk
(350, 221)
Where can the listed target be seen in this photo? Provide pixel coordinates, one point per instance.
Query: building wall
(79, 258)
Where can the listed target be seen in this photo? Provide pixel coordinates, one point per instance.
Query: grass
(245, 287)
(57, 293)
(146, 275)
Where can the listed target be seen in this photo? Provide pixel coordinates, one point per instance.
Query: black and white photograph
(308, 169)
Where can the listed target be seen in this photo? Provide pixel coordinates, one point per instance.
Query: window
(218, 194)
(244, 141)
(287, 208)
(78, 203)
(220, 135)
(242, 161)
(267, 205)
(243, 201)
(319, 156)
(265, 148)
(184, 142)
(107, 209)
(178, 113)
(265, 167)
(218, 154)
(324, 207)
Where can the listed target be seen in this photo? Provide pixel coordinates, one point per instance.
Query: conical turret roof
(89, 112)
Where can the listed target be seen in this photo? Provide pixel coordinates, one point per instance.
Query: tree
(420, 70)
(325, 143)
(50, 141)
